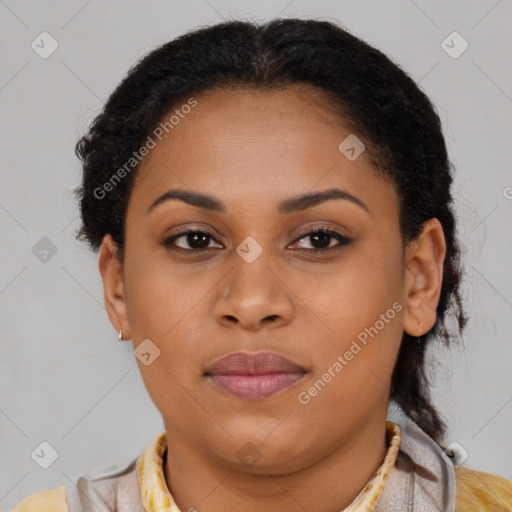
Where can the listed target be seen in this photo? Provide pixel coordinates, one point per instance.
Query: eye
(321, 238)
(192, 239)
(197, 240)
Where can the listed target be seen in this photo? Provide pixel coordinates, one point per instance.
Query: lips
(254, 376)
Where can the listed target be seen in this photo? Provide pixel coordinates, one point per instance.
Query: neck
(199, 483)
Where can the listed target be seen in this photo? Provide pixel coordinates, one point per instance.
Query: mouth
(254, 376)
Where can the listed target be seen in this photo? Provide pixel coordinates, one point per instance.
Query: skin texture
(251, 150)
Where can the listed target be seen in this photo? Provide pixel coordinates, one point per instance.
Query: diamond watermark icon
(454, 45)
(44, 45)
(249, 454)
(146, 352)
(44, 250)
(455, 454)
(351, 147)
(44, 455)
(249, 249)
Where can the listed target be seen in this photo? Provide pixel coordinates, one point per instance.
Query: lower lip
(255, 387)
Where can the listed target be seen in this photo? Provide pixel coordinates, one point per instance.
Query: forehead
(250, 146)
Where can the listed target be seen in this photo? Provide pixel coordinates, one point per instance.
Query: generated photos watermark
(137, 156)
(305, 397)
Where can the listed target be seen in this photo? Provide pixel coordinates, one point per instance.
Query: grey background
(64, 378)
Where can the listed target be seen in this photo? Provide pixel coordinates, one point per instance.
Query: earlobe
(424, 277)
(113, 287)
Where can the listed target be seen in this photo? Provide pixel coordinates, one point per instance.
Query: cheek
(362, 307)
(160, 316)
(158, 296)
(355, 294)
(160, 309)
(170, 392)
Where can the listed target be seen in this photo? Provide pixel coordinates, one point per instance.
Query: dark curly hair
(377, 100)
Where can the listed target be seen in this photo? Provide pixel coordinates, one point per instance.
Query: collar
(156, 496)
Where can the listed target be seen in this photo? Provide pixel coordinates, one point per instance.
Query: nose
(254, 296)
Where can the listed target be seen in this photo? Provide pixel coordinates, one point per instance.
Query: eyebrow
(293, 204)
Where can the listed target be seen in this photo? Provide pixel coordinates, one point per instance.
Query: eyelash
(168, 242)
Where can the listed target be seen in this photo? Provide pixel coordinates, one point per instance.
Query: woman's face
(254, 281)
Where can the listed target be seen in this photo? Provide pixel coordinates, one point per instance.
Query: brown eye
(192, 240)
(321, 239)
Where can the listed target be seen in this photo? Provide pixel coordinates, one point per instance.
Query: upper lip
(253, 363)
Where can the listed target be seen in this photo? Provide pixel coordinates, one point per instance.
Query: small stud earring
(120, 335)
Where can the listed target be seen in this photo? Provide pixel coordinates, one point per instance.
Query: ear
(113, 286)
(424, 278)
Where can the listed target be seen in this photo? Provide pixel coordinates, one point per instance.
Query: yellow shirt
(476, 490)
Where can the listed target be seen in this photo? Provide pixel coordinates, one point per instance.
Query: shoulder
(115, 487)
(50, 500)
(477, 490)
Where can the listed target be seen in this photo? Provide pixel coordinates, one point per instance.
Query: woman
(272, 209)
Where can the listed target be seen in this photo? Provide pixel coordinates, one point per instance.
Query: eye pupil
(323, 237)
(201, 238)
